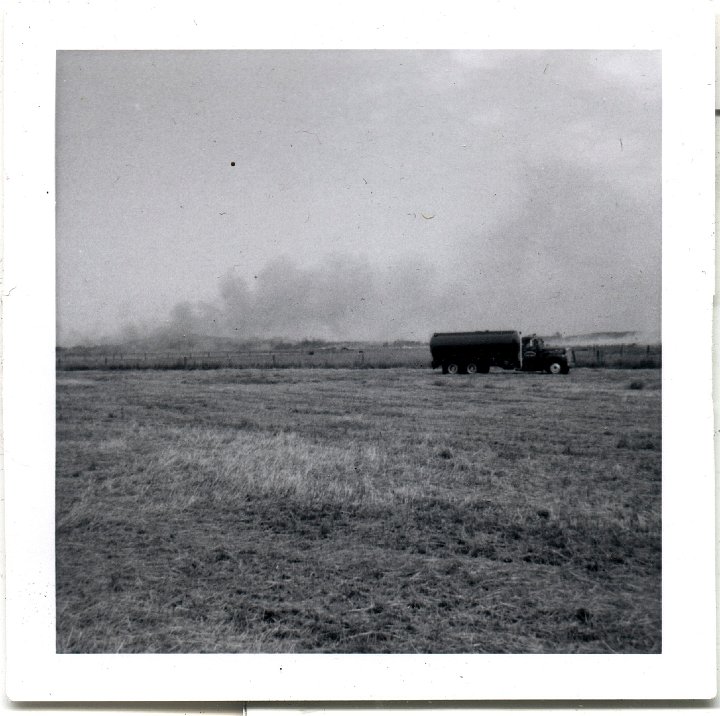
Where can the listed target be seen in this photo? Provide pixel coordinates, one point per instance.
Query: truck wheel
(471, 368)
(453, 368)
(555, 368)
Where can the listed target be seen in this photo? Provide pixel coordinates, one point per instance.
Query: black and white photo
(253, 451)
(359, 369)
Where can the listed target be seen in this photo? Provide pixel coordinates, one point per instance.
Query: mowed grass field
(358, 511)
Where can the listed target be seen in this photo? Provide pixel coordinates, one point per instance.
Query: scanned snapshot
(358, 352)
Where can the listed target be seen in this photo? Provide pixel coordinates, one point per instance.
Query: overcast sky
(374, 195)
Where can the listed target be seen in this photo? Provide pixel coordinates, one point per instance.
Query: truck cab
(535, 356)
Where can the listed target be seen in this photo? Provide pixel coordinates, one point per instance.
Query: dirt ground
(358, 511)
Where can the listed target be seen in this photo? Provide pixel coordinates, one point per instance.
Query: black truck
(478, 351)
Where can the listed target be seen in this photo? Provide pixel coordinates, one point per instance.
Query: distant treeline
(317, 355)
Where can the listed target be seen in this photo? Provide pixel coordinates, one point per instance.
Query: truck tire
(555, 367)
(453, 368)
(471, 368)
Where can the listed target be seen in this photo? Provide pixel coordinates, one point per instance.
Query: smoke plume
(342, 298)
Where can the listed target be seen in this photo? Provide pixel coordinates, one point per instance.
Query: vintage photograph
(358, 352)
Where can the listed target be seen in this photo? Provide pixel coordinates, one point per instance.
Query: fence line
(619, 356)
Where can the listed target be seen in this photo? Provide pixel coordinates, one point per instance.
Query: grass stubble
(355, 511)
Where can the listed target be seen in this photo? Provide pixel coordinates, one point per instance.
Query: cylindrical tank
(486, 348)
(475, 338)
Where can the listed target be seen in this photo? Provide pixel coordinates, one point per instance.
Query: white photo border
(685, 35)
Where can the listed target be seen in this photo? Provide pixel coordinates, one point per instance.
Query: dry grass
(358, 511)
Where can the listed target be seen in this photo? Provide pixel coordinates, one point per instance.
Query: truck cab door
(531, 356)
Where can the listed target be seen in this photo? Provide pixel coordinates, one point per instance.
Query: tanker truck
(478, 351)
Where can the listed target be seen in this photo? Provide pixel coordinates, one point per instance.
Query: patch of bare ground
(358, 511)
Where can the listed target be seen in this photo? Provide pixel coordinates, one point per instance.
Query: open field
(355, 511)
